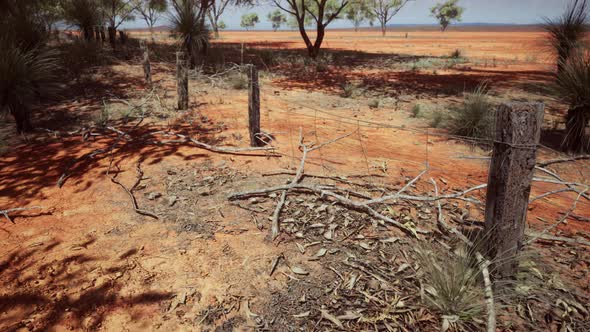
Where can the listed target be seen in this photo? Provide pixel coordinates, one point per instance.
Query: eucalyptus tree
(447, 12)
(249, 20)
(276, 18)
(359, 11)
(115, 13)
(214, 13)
(385, 10)
(151, 11)
(321, 12)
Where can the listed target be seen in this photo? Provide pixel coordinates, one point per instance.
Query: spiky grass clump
(349, 90)
(572, 86)
(452, 286)
(238, 81)
(566, 32)
(26, 77)
(415, 111)
(456, 54)
(475, 118)
(187, 23)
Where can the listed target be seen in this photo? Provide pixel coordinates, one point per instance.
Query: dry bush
(452, 286)
(566, 32)
(79, 56)
(572, 86)
(475, 117)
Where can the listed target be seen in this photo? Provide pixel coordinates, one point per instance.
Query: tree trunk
(122, 36)
(96, 34)
(103, 36)
(306, 39)
(87, 33)
(383, 29)
(152, 34)
(318, 42)
(112, 35)
(575, 129)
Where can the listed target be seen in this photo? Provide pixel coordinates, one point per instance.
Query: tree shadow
(376, 73)
(78, 290)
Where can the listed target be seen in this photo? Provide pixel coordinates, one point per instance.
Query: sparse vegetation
(566, 33)
(572, 86)
(341, 180)
(475, 117)
(187, 22)
(349, 90)
(374, 103)
(456, 54)
(415, 111)
(28, 70)
(238, 81)
(436, 119)
(452, 286)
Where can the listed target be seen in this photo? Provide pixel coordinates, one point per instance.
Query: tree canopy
(322, 13)
(276, 18)
(359, 11)
(249, 20)
(447, 12)
(385, 10)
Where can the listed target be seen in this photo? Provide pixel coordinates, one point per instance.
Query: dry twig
(7, 211)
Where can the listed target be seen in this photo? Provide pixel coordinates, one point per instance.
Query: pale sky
(418, 12)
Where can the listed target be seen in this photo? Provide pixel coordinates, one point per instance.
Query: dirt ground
(86, 261)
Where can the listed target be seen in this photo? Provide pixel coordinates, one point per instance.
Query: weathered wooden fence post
(518, 130)
(147, 68)
(182, 81)
(254, 107)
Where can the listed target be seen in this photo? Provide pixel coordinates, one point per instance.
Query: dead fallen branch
(325, 194)
(212, 148)
(130, 191)
(548, 237)
(458, 196)
(7, 211)
(560, 221)
(560, 180)
(563, 160)
(275, 225)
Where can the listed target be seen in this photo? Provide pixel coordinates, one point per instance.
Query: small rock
(153, 195)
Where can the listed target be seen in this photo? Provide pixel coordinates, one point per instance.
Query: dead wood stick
(7, 211)
(556, 176)
(458, 195)
(219, 149)
(130, 192)
(562, 160)
(548, 237)
(481, 261)
(275, 225)
(560, 221)
(324, 193)
(549, 193)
